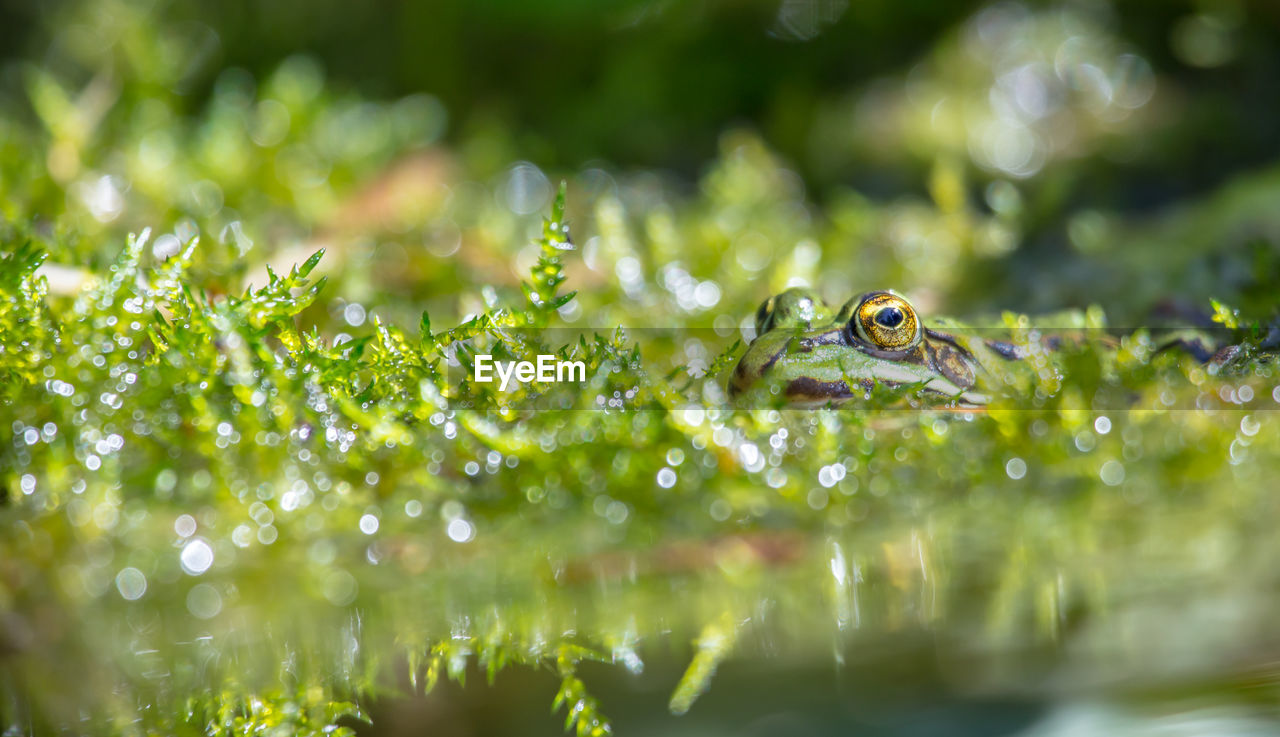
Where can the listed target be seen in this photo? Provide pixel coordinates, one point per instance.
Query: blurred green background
(1053, 147)
(653, 84)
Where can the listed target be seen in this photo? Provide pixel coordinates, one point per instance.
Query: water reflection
(1016, 613)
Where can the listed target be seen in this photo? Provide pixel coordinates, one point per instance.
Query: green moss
(213, 465)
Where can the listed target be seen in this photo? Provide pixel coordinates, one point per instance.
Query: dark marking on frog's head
(952, 362)
(747, 371)
(815, 389)
(1005, 349)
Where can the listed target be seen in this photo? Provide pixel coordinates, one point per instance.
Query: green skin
(813, 358)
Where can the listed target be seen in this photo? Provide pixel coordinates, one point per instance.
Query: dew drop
(131, 583)
(196, 557)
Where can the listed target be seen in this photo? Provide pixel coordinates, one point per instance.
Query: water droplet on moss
(196, 556)
(204, 601)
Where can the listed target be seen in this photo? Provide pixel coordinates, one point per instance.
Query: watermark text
(546, 369)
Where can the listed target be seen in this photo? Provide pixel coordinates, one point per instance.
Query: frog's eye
(887, 321)
(764, 316)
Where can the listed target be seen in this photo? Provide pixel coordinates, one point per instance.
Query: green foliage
(713, 646)
(548, 273)
(24, 326)
(308, 711)
(583, 711)
(1225, 316)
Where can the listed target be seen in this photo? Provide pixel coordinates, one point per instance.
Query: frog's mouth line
(807, 389)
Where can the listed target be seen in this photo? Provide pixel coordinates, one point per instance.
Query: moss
(213, 466)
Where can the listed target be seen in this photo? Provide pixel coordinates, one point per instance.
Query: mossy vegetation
(247, 485)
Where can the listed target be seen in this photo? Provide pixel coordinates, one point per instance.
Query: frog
(813, 355)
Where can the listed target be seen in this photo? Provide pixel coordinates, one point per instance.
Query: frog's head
(876, 338)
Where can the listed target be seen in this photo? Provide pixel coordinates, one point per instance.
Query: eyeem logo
(547, 369)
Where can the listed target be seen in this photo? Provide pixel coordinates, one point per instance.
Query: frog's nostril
(889, 317)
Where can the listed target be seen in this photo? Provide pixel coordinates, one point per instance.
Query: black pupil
(889, 317)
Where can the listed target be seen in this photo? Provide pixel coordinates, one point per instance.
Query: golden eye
(887, 321)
